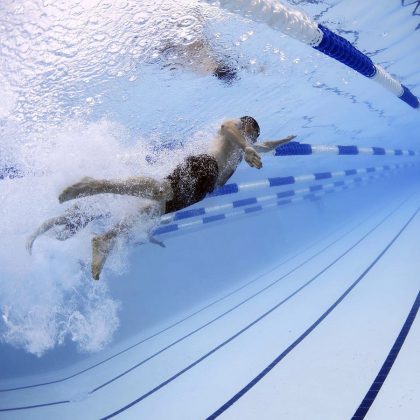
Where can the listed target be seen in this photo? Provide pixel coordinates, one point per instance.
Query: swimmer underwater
(188, 184)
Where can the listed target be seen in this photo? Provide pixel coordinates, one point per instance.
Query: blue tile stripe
(389, 361)
(296, 148)
(279, 358)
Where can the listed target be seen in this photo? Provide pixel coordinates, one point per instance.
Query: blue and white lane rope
(289, 149)
(234, 188)
(259, 206)
(256, 200)
(296, 148)
(301, 27)
(263, 200)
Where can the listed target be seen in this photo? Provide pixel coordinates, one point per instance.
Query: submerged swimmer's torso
(188, 184)
(200, 174)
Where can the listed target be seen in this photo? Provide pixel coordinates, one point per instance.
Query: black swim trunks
(191, 181)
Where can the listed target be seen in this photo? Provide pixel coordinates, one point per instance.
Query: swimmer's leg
(45, 227)
(73, 220)
(102, 245)
(137, 186)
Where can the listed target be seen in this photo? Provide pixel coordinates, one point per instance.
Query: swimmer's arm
(268, 146)
(231, 132)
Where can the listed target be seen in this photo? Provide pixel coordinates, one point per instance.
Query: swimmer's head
(250, 128)
(225, 73)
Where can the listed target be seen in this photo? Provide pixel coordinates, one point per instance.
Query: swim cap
(252, 122)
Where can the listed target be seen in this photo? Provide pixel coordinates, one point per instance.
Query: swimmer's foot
(85, 187)
(101, 247)
(30, 243)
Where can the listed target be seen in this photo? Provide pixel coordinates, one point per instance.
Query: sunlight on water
(110, 89)
(60, 61)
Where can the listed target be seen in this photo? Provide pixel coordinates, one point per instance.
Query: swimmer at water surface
(188, 184)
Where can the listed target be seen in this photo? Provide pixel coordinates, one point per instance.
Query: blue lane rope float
(296, 148)
(205, 215)
(235, 188)
(301, 27)
(257, 200)
(313, 195)
(289, 149)
(293, 148)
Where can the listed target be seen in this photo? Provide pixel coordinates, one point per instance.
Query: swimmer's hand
(289, 138)
(252, 158)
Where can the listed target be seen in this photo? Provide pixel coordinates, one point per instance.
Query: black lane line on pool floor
(297, 254)
(200, 328)
(266, 314)
(245, 301)
(389, 361)
(240, 332)
(279, 358)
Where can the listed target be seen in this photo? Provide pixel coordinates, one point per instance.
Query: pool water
(301, 306)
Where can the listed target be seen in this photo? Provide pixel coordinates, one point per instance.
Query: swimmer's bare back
(136, 186)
